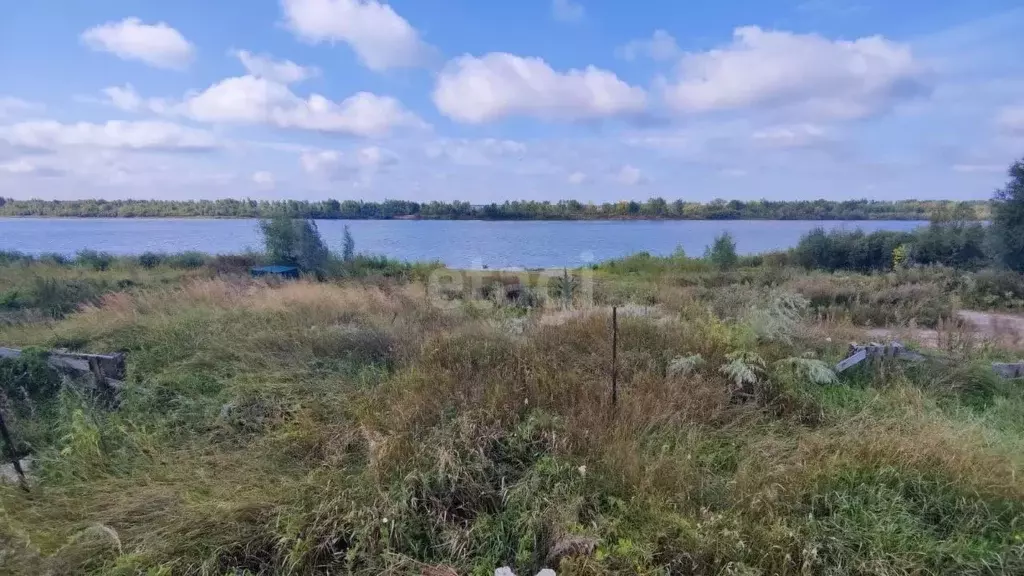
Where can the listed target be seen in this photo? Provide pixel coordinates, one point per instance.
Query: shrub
(188, 260)
(14, 257)
(294, 242)
(150, 260)
(96, 260)
(845, 250)
(235, 263)
(953, 244)
(348, 250)
(723, 252)
(55, 258)
(27, 380)
(994, 288)
(1008, 219)
(53, 296)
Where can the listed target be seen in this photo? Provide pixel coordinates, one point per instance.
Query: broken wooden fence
(894, 350)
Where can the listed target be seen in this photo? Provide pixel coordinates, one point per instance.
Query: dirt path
(993, 324)
(1004, 329)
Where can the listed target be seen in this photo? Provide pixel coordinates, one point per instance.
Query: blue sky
(485, 101)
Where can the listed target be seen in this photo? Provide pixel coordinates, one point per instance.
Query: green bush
(723, 252)
(188, 260)
(55, 258)
(8, 257)
(846, 250)
(96, 260)
(953, 244)
(294, 242)
(1008, 220)
(150, 260)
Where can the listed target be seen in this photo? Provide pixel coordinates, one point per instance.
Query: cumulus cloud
(264, 180)
(358, 166)
(260, 100)
(283, 71)
(631, 176)
(145, 135)
(158, 44)
(567, 10)
(380, 37)
(660, 46)
(497, 85)
(1011, 120)
(805, 72)
(577, 178)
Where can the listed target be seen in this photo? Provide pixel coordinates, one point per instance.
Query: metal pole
(11, 451)
(615, 350)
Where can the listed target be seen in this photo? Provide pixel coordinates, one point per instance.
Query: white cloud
(577, 178)
(319, 161)
(31, 167)
(469, 152)
(567, 10)
(11, 106)
(1011, 120)
(125, 98)
(263, 179)
(379, 36)
(283, 71)
(155, 44)
(660, 46)
(791, 136)
(259, 100)
(803, 72)
(631, 176)
(146, 135)
(478, 90)
(360, 166)
(375, 157)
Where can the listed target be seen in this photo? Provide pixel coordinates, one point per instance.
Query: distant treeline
(654, 208)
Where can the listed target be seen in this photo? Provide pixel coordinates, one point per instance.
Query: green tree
(723, 252)
(294, 242)
(1008, 219)
(348, 249)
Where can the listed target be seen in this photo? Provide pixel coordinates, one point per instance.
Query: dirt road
(1005, 329)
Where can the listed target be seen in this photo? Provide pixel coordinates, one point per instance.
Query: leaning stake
(615, 350)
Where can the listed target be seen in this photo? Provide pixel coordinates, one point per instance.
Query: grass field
(373, 425)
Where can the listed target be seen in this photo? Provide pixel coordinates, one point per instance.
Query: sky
(485, 101)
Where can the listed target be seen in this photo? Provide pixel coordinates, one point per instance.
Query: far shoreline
(430, 219)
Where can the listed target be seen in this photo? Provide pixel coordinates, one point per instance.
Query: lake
(462, 243)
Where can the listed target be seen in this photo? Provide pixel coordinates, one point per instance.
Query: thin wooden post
(615, 351)
(9, 443)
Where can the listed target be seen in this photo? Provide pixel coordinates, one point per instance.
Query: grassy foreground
(371, 425)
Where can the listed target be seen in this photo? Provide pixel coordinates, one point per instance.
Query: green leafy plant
(685, 365)
(777, 318)
(565, 288)
(744, 369)
(808, 369)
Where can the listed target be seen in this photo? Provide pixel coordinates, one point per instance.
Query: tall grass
(354, 427)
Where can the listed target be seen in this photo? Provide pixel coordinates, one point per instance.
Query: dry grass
(309, 428)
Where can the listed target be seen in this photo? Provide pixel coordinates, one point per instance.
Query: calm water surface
(456, 243)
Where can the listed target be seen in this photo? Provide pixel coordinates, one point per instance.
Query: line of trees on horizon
(654, 209)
